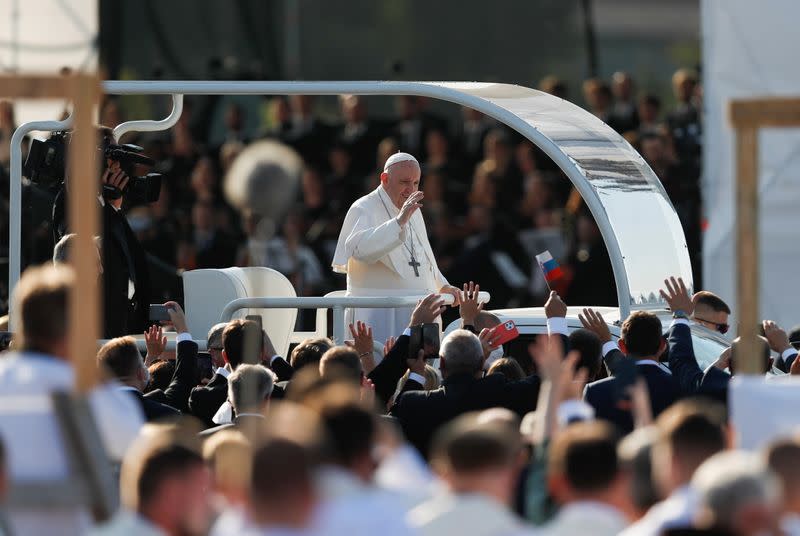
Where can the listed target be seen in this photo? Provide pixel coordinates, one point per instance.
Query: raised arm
(185, 375)
(368, 241)
(682, 361)
(594, 322)
(779, 342)
(389, 371)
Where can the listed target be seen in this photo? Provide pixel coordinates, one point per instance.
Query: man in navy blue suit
(643, 344)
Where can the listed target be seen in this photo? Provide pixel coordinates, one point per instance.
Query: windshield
(707, 346)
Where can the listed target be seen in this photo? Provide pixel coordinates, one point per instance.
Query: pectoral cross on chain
(414, 264)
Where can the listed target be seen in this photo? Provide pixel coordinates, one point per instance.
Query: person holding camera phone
(126, 285)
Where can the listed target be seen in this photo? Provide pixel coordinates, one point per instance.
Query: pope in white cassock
(384, 250)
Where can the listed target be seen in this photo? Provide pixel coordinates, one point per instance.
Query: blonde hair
(432, 381)
(229, 455)
(41, 301)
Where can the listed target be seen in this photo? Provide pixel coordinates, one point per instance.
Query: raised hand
(156, 343)
(488, 342)
(177, 317)
(548, 353)
(363, 344)
(593, 321)
(776, 337)
(388, 345)
(362, 337)
(572, 381)
(412, 204)
(427, 310)
(114, 176)
(724, 360)
(555, 307)
(454, 292)
(469, 307)
(368, 393)
(677, 296)
(417, 365)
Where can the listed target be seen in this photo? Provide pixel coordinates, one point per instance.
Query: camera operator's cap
(396, 158)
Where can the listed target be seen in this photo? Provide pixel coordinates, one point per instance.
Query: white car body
(532, 321)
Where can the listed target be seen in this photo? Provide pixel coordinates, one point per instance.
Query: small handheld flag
(550, 268)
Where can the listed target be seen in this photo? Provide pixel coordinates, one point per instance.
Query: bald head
(486, 320)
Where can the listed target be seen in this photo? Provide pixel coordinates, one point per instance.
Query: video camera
(46, 166)
(139, 190)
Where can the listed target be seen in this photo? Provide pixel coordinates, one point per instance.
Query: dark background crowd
(587, 436)
(492, 200)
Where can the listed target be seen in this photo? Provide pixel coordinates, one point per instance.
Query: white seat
(206, 292)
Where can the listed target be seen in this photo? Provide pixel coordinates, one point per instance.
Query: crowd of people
(342, 439)
(489, 194)
(582, 436)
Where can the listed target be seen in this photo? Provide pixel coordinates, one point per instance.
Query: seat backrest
(208, 291)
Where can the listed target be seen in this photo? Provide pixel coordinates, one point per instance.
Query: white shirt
(677, 510)
(33, 440)
(375, 251)
(350, 507)
(586, 517)
(125, 523)
(473, 514)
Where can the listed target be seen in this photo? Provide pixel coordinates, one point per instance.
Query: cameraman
(126, 285)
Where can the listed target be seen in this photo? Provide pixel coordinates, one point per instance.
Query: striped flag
(550, 267)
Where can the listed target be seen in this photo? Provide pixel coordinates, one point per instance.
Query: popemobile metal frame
(638, 223)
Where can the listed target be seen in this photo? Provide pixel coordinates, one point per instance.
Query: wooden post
(749, 359)
(84, 317)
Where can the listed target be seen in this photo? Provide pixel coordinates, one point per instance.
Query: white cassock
(375, 253)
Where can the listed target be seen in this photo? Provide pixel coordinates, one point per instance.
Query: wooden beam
(34, 87)
(749, 360)
(765, 112)
(84, 220)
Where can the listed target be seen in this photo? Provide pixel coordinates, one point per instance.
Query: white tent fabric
(43, 37)
(749, 50)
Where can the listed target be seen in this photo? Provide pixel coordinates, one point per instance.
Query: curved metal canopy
(638, 222)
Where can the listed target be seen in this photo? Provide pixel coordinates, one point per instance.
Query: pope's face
(401, 181)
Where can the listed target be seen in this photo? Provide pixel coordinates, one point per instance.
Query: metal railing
(337, 304)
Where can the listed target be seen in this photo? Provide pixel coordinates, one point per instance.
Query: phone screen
(430, 340)
(204, 365)
(415, 342)
(158, 313)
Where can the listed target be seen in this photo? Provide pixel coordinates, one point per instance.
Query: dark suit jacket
(205, 400)
(785, 366)
(183, 379)
(421, 413)
(154, 410)
(389, 371)
(690, 377)
(123, 259)
(602, 395)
